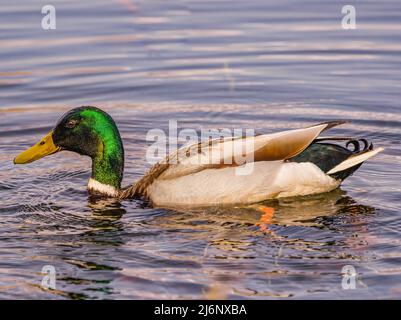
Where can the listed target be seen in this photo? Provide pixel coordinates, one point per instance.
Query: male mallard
(289, 163)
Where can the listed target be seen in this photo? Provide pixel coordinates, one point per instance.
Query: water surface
(207, 64)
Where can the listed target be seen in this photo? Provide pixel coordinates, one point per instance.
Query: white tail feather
(354, 160)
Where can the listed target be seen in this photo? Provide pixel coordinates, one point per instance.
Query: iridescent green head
(88, 131)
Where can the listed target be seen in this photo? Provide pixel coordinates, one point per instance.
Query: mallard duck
(289, 163)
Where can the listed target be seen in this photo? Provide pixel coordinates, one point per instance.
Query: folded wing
(219, 153)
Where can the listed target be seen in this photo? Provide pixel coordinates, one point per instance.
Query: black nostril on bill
(41, 143)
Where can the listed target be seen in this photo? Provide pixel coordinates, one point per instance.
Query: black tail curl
(350, 141)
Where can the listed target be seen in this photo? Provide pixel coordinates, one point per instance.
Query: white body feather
(269, 179)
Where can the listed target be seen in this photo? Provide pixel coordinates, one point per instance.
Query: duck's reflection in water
(308, 211)
(105, 209)
(311, 211)
(105, 221)
(89, 254)
(230, 244)
(276, 232)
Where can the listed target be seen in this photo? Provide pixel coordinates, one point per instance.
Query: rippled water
(207, 64)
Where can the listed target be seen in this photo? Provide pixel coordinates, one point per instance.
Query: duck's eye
(71, 123)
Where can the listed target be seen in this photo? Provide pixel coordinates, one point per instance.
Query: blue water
(270, 66)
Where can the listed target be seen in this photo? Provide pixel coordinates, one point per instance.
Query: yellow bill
(42, 149)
